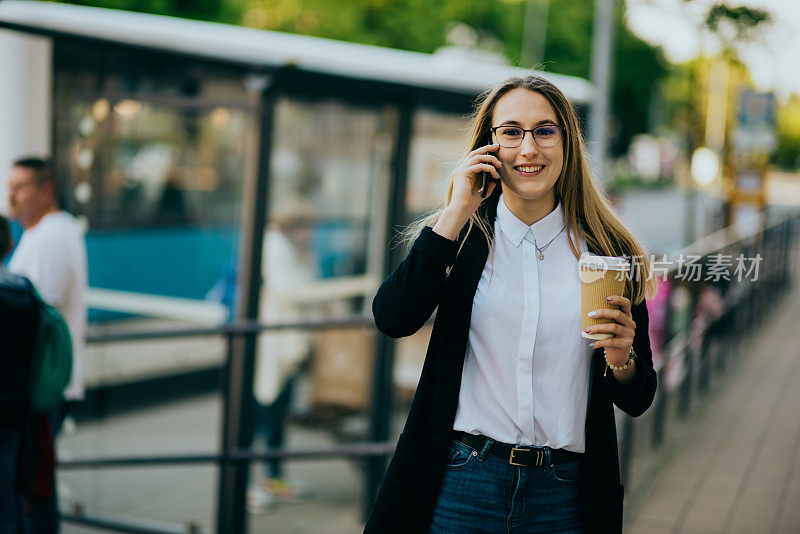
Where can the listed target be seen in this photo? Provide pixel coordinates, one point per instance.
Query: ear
(49, 188)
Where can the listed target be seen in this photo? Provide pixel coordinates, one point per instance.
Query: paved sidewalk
(732, 467)
(174, 496)
(739, 469)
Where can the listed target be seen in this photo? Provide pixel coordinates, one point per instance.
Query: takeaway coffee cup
(601, 276)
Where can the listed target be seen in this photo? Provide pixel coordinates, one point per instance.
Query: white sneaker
(69, 427)
(259, 501)
(285, 490)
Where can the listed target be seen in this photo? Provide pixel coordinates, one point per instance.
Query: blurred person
(172, 208)
(282, 356)
(52, 255)
(26, 480)
(512, 425)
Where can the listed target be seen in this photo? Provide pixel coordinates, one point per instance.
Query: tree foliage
(417, 25)
(638, 67)
(787, 155)
(211, 10)
(421, 25)
(735, 23)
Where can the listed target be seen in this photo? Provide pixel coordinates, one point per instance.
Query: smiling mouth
(530, 169)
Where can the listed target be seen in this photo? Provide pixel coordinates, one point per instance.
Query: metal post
(786, 254)
(534, 33)
(704, 362)
(726, 342)
(690, 214)
(231, 517)
(684, 400)
(602, 46)
(660, 411)
(381, 406)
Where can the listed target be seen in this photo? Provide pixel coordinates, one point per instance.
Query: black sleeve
(407, 298)
(636, 396)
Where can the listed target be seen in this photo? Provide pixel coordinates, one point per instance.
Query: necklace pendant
(541, 256)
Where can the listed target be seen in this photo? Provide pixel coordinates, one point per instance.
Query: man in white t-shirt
(51, 253)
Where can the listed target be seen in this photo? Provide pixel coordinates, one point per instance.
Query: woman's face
(529, 172)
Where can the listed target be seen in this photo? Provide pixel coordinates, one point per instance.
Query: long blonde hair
(588, 212)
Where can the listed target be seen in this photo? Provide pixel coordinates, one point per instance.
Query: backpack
(19, 319)
(51, 361)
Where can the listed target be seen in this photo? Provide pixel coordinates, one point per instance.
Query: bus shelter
(226, 174)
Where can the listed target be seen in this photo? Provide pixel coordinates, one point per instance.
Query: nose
(528, 146)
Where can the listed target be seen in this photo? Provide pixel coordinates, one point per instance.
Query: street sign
(755, 131)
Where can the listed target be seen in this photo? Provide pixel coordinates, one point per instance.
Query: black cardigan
(406, 299)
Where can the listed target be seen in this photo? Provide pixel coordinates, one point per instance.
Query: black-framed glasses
(545, 136)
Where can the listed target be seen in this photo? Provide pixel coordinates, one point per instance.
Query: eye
(510, 131)
(545, 131)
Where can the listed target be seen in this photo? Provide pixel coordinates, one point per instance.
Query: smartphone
(486, 178)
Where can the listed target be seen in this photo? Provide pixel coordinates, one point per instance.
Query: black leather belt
(518, 455)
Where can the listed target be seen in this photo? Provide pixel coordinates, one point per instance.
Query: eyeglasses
(512, 136)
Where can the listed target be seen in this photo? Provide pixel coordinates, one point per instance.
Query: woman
(512, 425)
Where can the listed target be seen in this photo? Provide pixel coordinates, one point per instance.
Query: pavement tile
(742, 449)
(650, 525)
(700, 529)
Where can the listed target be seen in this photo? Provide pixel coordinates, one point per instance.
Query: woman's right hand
(465, 198)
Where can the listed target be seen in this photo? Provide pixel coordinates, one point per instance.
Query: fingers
(469, 182)
(613, 343)
(487, 189)
(614, 315)
(484, 158)
(617, 329)
(483, 150)
(478, 167)
(481, 160)
(623, 303)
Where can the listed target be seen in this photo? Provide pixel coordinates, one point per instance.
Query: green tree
(211, 10)
(408, 25)
(638, 67)
(787, 155)
(421, 25)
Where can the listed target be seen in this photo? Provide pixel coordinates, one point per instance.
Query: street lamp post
(602, 43)
(534, 33)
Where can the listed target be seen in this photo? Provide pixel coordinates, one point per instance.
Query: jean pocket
(568, 472)
(460, 455)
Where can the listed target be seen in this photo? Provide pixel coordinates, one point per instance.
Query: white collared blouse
(526, 372)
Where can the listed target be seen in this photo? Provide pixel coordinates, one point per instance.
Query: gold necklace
(541, 250)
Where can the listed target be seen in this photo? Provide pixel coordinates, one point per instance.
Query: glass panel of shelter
(322, 259)
(156, 174)
(438, 144)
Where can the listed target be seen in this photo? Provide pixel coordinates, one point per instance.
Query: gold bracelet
(624, 367)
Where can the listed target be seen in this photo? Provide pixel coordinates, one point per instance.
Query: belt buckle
(540, 456)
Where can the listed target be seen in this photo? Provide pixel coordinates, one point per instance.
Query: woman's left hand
(618, 347)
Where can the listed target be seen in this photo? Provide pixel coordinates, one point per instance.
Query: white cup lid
(604, 263)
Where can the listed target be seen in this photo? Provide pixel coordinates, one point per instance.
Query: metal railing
(704, 323)
(231, 331)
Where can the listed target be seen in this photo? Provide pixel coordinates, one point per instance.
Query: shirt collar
(543, 230)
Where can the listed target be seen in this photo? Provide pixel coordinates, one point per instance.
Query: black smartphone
(487, 177)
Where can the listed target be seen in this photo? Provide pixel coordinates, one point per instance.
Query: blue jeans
(482, 493)
(11, 518)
